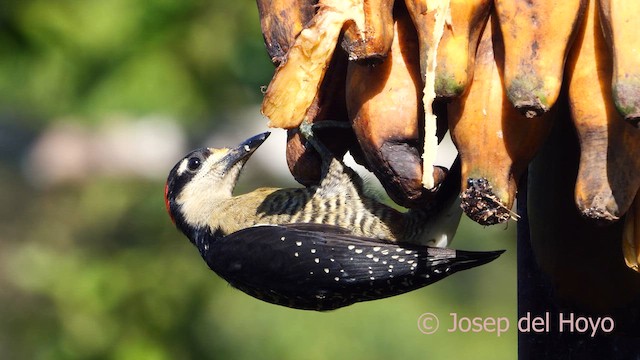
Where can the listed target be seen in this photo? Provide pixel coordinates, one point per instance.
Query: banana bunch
(402, 73)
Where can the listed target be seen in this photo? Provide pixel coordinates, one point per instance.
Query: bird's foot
(308, 127)
(308, 130)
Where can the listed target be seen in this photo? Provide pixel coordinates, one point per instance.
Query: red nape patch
(166, 202)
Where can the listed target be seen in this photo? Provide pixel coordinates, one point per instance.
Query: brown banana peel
(281, 22)
(297, 80)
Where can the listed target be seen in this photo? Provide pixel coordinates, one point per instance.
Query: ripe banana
(494, 140)
(297, 80)
(537, 36)
(281, 22)
(330, 104)
(372, 42)
(631, 236)
(620, 21)
(457, 49)
(609, 172)
(384, 106)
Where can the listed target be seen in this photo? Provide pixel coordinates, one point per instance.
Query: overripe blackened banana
(384, 105)
(620, 21)
(281, 22)
(457, 49)
(537, 37)
(494, 140)
(374, 41)
(297, 80)
(609, 172)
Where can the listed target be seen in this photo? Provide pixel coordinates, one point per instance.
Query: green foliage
(183, 58)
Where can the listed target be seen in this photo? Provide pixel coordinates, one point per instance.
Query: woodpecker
(321, 247)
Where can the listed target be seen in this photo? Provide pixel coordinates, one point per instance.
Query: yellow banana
(457, 49)
(494, 140)
(537, 35)
(620, 22)
(372, 42)
(609, 172)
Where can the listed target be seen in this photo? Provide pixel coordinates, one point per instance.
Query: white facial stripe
(183, 167)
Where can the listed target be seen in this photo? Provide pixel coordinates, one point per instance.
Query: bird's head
(204, 177)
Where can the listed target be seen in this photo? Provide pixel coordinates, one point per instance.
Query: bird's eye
(194, 163)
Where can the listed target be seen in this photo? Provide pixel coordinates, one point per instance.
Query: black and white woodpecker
(317, 248)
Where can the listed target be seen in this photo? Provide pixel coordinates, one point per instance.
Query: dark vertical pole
(569, 267)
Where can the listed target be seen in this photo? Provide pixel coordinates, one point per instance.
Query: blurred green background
(98, 100)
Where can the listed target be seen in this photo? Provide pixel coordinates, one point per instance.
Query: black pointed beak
(450, 261)
(243, 151)
(253, 143)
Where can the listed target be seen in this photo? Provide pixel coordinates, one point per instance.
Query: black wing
(323, 267)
